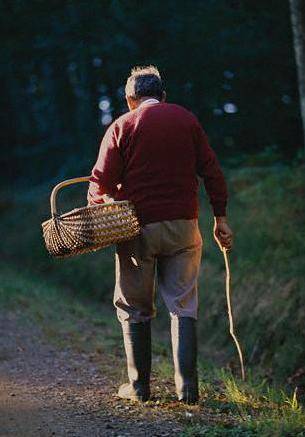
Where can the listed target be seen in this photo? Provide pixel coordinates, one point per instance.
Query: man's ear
(163, 98)
(131, 103)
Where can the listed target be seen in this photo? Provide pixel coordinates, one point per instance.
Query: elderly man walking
(154, 156)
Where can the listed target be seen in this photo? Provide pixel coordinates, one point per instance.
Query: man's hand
(223, 233)
(107, 198)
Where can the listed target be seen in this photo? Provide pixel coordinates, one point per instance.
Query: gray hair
(144, 81)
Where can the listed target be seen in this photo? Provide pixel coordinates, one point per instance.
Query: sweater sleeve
(209, 169)
(107, 171)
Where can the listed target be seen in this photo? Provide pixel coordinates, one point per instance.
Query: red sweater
(152, 157)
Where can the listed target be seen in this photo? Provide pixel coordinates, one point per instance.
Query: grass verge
(227, 407)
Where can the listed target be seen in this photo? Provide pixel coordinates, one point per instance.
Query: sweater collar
(148, 102)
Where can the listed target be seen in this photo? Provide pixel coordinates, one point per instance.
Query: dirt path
(45, 391)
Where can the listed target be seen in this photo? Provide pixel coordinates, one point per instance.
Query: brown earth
(50, 391)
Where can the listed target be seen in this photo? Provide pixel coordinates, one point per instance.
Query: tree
(297, 8)
(228, 61)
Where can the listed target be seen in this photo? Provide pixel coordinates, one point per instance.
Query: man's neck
(147, 101)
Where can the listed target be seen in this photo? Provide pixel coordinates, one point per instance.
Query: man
(153, 156)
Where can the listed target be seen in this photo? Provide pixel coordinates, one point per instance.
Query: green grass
(266, 212)
(251, 408)
(228, 406)
(64, 318)
(268, 262)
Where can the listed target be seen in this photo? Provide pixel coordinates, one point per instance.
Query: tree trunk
(297, 9)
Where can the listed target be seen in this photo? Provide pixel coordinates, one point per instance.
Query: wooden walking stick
(229, 306)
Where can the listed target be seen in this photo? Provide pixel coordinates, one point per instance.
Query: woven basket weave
(88, 228)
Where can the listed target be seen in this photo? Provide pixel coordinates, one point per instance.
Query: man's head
(142, 84)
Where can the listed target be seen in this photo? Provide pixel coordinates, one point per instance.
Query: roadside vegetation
(71, 300)
(228, 406)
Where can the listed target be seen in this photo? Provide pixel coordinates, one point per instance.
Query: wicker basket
(89, 228)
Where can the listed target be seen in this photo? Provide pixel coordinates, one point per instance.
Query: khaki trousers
(169, 251)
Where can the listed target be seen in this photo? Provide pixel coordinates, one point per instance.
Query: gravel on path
(45, 391)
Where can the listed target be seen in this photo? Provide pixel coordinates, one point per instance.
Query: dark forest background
(64, 65)
(63, 69)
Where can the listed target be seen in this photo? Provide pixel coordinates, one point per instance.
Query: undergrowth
(72, 301)
(228, 406)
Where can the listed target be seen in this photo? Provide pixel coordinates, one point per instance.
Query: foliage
(230, 62)
(259, 409)
(266, 212)
(227, 406)
(267, 262)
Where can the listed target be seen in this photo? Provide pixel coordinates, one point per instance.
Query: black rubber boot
(137, 342)
(184, 343)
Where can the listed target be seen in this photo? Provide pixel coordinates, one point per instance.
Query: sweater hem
(146, 217)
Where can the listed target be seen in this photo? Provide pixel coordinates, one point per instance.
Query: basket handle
(61, 185)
